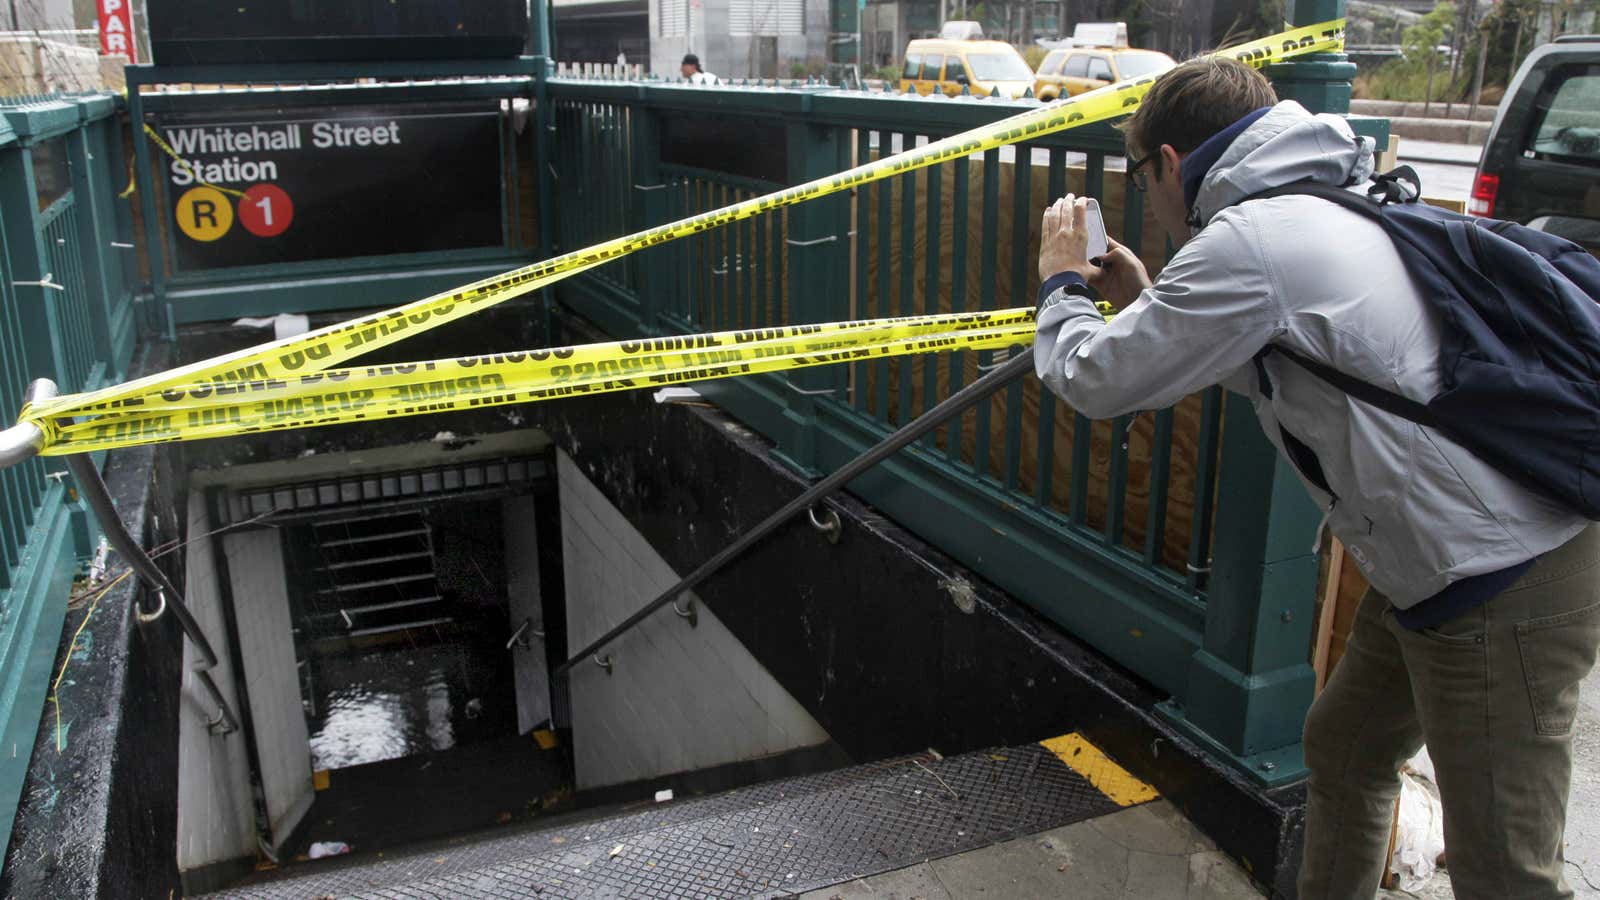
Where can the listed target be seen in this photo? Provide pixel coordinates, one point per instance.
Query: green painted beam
(319, 293)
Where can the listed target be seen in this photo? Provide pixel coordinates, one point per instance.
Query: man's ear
(1171, 160)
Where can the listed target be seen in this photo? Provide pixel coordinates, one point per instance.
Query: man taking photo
(1484, 611)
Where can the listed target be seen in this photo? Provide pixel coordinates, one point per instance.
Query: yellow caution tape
(162, 407)
(442, 385)
(167, 149)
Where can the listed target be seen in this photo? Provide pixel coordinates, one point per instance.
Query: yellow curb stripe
(1110, 779)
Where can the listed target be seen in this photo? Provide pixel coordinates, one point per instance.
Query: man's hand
(1120, 277)
(1064, 239)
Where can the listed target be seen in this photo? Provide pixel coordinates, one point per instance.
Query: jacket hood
(1285, 145)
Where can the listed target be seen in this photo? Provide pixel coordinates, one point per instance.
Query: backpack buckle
(1401, 185)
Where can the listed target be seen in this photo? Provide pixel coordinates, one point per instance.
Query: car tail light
(1484, 191)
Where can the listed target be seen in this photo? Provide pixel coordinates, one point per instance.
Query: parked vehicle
(1541, 165)
(1068, 71)
(961, 30)
(935, 64)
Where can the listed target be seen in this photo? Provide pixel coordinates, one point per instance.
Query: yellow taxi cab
(1069, 71)
(938, 64)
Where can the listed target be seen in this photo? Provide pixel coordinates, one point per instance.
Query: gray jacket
(1415, 510)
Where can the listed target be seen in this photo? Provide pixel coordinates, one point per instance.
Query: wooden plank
(1327, 606)
(1391, 878)
(1390, 157)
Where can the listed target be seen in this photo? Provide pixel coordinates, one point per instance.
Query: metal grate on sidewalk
(767, 840)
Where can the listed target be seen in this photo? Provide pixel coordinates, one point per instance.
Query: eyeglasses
(1135, 177)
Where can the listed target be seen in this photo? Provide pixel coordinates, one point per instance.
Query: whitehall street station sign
(328, 184)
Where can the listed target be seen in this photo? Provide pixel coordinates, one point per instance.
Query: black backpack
(1520, 348)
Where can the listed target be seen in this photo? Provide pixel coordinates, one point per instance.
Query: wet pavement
(385, 703)
(383, 805)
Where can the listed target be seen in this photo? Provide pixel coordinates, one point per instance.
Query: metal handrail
(23, 441)
(953, 406)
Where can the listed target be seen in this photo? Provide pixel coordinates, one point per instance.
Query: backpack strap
(1372, 395)
(1399, 186)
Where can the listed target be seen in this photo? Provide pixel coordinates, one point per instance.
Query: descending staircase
(772, 839)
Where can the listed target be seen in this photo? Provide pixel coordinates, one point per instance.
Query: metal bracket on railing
(219, 725)
(692, 614)
(738, 265)
(604, 662)
(830, 525)
(519, 638)
(650, 187)
(810, 392)
(811, 243)
(46, 283)
(145, 618)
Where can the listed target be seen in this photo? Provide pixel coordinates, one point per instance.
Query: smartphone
(1097, 232)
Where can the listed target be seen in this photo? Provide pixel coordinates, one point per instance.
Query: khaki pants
(1493, 694)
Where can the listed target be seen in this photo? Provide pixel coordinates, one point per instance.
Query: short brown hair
(1194, 101)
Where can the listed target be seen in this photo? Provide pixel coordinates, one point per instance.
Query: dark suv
(1541, 166)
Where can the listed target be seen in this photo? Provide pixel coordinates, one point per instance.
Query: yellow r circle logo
(205, 213)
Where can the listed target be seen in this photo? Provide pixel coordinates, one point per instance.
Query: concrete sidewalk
(1150, 852)
(1440, 152)
(1446, 170)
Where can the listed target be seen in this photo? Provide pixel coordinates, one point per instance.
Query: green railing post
(91, 194)
(1250, 682)
(817, 280)
(653, 281)
(157, 315)
(1321, 81)
(42, 329)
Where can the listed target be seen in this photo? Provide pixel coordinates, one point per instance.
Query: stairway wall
(216, 814)
(678, 698)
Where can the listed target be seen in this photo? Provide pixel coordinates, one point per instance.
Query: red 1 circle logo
(265, 210)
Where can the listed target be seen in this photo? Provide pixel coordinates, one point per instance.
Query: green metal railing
(1174, 541)
(66, 313)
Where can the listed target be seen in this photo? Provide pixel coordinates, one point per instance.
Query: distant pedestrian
(692, 71)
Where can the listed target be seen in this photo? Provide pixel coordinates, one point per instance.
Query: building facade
(741, 38)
